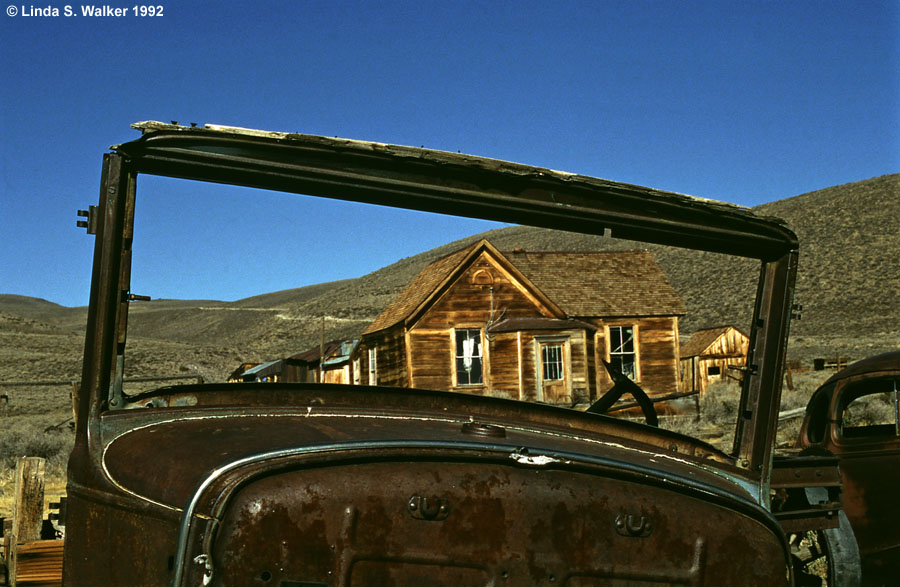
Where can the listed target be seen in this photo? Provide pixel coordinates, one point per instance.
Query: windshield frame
(448, 183)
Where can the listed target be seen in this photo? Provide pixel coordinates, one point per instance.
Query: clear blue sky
(746, 102)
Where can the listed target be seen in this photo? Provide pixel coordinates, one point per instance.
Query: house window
(622, 351)
(715, 370)
(373, 367)
(552, 361)
(356, 374)
(468, 356)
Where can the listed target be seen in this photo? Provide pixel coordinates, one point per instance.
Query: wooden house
(710, 355)
(238, 374)
(527, 325)
(305, 367)
(269, 372)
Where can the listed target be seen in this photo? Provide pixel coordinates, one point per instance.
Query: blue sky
(746, 102)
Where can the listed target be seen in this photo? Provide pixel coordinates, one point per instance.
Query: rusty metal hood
(232, 423)
(279, 482)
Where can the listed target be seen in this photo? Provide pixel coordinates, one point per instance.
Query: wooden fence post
(28, 509)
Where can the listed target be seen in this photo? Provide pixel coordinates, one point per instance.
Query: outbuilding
(711, 355)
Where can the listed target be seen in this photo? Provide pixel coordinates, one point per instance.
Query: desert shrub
(720, 404)
(871, 410)
(20, 437)
(718, 409)
(804, 383)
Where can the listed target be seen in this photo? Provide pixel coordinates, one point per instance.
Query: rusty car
(284, 484)
(855, 416)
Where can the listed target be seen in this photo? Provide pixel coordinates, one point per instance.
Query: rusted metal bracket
(792, 479)
(432, 509)
(91, 223)
(633, 526)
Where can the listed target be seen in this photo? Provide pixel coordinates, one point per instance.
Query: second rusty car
(855, 415)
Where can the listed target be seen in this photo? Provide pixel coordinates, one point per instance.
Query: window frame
(455, 333)
(373, 366)
(613, 354)
(558, 362)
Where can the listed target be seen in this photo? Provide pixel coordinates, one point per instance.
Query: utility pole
(322, 353)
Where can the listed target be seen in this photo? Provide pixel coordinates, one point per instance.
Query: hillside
(848, 283)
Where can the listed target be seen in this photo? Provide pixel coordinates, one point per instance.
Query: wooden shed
(237, 375)
(711, 355)
(305, 367)
(269, 372)
(527, 325)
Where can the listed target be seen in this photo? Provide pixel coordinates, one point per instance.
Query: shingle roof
(584, 284)
(311, 355)
(700, 341)
(607, 283)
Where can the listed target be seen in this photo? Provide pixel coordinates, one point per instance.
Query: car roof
(884, 362)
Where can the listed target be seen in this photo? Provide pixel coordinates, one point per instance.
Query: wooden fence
(29, 560)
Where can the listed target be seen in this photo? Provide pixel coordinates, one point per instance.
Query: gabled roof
(419, 289)
(236, 374)
(585, 284)
(265, 369)
(702, 339)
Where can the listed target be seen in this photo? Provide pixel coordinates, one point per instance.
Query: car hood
(216, 426)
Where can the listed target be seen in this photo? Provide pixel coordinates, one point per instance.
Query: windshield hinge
(91, 223)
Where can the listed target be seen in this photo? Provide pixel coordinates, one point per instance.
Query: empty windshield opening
(246, 281)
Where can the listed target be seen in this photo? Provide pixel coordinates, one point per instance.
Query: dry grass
(35, 424)
(719, 411)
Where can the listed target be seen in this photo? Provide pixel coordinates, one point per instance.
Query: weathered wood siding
(467, 303)
(715, 362)
(505, 365)
(580, 342)
(390, 359)
(658, 355)
(431, 353)
(339, 375)
(297, 373)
